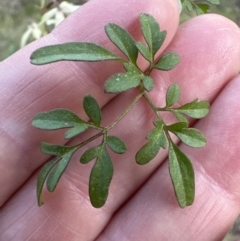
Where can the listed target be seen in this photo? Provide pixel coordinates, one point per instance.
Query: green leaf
(196, 109)
(157, 139)
(121, 82)
(173, 94)
(148, 83)
(182, 175)
(177, 126)
(42, 177)
(58, 170)
(151, 32)
(179, 116)
(58, 119)
(189, 6)
(191, 137)
(168, 61)
(202, 8)
(75, 51)
(100, 178)
(92, 109)
(90, 154)
(130, 67)
(214, 1)
(123, 40)
(116, 144)
(144, 50)
(55, 150)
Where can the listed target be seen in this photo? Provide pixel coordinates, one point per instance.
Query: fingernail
(179, 5)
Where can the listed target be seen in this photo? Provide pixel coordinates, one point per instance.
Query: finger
(26, 89)
(71, 194)
(153, 214)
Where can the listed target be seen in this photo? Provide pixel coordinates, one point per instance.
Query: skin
(141, 203)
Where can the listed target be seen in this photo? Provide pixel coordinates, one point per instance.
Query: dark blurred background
(16, 15)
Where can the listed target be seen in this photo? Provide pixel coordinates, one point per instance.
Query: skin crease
(141, 203)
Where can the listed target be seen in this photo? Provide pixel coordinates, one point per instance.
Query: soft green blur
(16, 15)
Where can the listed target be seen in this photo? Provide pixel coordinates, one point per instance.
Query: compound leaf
(42, 176)
(116, 144)
(151, 32)
(168, 61)
(123, 40)
(182, 175)
(196, 109)
(58, 119)
(100, 178)
(75, 51)
(123, 81)
(173, 94)
(58, 170)
(157, 139)
(92, 109)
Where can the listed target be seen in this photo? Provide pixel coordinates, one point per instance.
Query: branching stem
(106, 129)
(124, 113)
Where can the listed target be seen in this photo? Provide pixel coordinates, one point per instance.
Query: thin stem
(150, 68)
(89, 140)
(154, 108)
(124, 113)
(106, 129)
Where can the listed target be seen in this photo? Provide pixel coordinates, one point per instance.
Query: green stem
(103, 131)
(89, 140)
(134, 102)
(149, 101)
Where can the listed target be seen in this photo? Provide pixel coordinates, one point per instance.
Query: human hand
(141, 203)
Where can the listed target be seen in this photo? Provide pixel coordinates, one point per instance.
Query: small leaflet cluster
(180, 167)
(198, 6)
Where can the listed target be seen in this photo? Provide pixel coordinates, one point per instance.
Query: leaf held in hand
(58, 119)
(55, 150)
(116, 144)
(151, 32)
(148, 83)
(167, 62)
(191, 137)
(58, 169)
(90, 154)
(157, 139)
(179, 116)
(92, 109)
(130, 67)
(173, 94)
(182, 175)
(123, 40)
(195, 109)
(75, 51)
(42, 176)
(121, 82)
(144, 50)
(100, 178)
